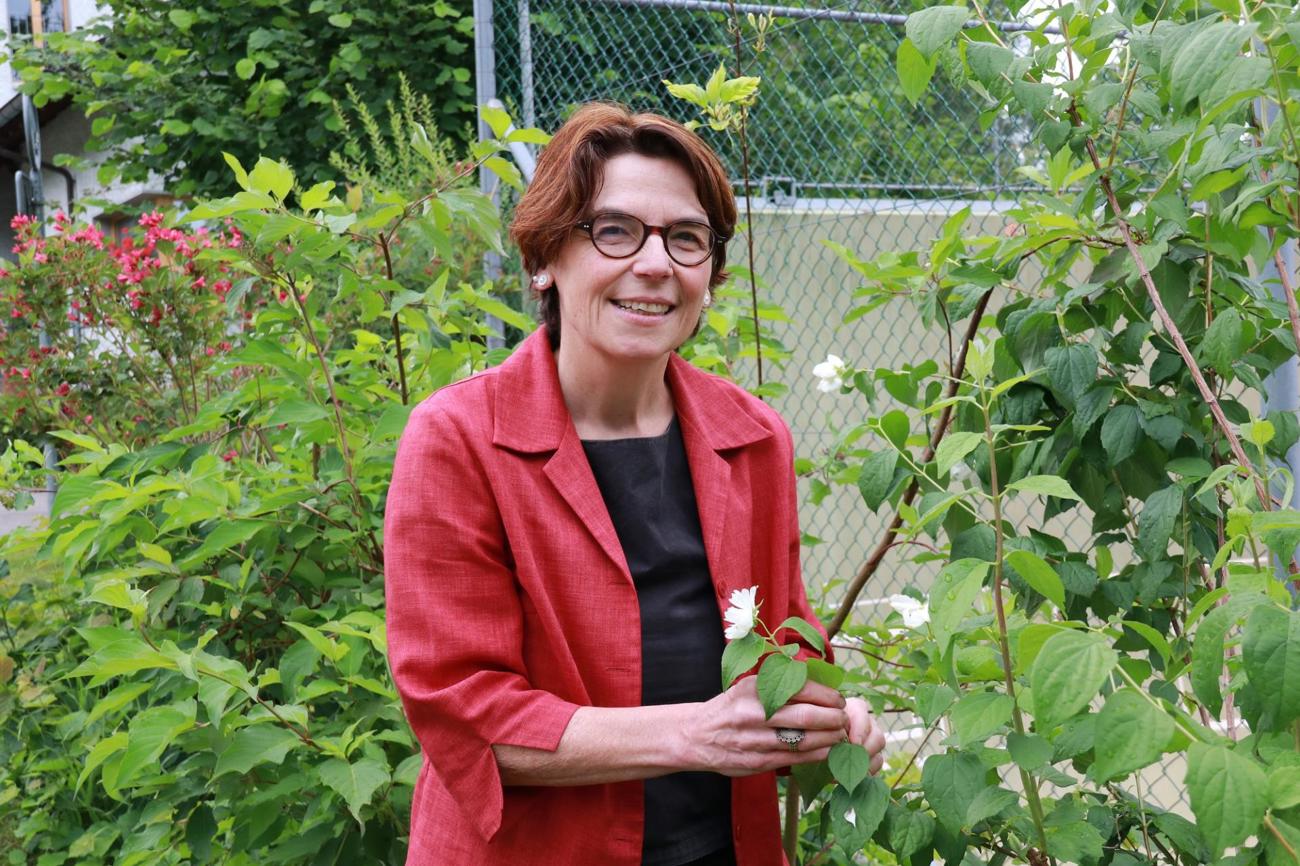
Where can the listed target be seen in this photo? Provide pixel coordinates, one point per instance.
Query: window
(54, 16)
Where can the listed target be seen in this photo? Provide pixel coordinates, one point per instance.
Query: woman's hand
(729, 735)
(864, 731)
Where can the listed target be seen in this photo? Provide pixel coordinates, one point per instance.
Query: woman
(563, 532)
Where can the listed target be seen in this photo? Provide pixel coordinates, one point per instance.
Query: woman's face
(598, 323)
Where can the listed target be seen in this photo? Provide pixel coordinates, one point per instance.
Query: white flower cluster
(915, 613)
(830, 374)
(743, 612)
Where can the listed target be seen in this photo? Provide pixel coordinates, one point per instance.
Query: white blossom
(830, 374)
(742, 613)
(915, 613)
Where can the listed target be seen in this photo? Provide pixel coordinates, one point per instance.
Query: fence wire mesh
(837, 153)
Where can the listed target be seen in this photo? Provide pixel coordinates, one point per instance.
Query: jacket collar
(531, 417)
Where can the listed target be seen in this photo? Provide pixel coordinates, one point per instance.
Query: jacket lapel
(714, 422)
(531, 418)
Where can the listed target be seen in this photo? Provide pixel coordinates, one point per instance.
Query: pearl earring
(708, 299)
(539, 280)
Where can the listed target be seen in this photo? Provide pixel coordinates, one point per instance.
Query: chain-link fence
(837, 153)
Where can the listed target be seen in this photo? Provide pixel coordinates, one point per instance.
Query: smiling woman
(563, 532)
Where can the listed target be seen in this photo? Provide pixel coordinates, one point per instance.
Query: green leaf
(269, 176)
(933, 700)
(953, 448)
(115, 700)
(1029, 751)
(979, 715)
(914, 70)
(952, 596)
(355, 783)
(151, 733)
(1033, 96)
(988, 803)
(806, 631)
(849, 764)
(739, 656)
(1156, 522)
(1120, 433)
(1270, 649)
(1071, 370)
(1207, 649)
(876, 477)
(1131, 734)
(951, 782)
(910, 830)
(101, 752)
(1038, 574)
(1045, 485)
(1224, 341)
(779, 679)
(316, 197)
(1284, 787)
(223, 538)
(253, 745)
(241, 176)
(1228, 793)
(935, 26)
(296, 412)
(1067, 674)
(829, 675)
(182, 19)
(341, 20)
(988, 62)
(1201, 60)
(245, 67)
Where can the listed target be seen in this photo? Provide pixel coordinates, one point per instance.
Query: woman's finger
(810, 717)
(812, 741)
(816, 693)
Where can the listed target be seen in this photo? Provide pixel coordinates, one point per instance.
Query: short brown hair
(569, 173)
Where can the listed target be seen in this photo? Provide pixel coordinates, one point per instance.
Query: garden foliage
(192, 652)
(171, 87)
(1091, 466)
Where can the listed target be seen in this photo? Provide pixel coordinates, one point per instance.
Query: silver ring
(792, 737)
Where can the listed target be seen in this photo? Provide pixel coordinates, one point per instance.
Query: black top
(646, 485)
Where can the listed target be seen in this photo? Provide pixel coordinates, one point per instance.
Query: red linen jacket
(510, 603)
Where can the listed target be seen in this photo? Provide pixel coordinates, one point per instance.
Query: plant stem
(1272, 828)
(1017, 719)
(749, 214)
(1167, 321)
(877, 555)
(397, 328)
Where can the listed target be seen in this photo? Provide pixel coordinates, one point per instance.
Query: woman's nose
(652, 259)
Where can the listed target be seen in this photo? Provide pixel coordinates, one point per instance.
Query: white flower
(830, 374)
(915, 613)
(742, 613)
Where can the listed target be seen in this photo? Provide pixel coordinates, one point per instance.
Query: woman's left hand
(864, 731)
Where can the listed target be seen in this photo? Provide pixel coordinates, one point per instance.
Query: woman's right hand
(729, 734)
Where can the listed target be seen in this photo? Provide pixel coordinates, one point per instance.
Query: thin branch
(877, 555)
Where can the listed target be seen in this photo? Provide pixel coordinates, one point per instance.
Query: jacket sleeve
(455, 617)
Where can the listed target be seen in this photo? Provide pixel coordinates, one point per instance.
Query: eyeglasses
(619, 235)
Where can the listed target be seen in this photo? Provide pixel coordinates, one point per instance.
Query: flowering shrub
(192, 662)
(118, 339)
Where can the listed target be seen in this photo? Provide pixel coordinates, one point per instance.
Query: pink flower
(63, 389)
(230, 455)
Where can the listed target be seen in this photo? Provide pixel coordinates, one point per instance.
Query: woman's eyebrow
(611, 207)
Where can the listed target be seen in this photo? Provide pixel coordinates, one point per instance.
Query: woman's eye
(611, 232)
(689, 239)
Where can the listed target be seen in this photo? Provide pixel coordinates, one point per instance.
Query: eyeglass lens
(619, 235)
